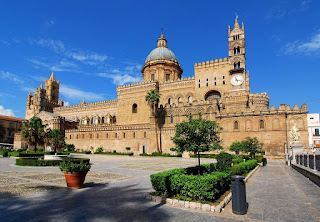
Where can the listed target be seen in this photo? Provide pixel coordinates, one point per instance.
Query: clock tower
(239, 80)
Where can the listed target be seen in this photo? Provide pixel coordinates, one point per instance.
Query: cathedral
(219, 90)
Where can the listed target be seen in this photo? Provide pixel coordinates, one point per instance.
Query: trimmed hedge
(34, 161)
(185, 184)
(161, 154)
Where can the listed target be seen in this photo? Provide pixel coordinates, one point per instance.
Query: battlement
(112, 102)
(212, 63)
(186, 79)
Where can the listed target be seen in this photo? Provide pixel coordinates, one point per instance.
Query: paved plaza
(115, 185)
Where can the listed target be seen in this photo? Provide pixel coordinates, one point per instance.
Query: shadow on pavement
(95, 202)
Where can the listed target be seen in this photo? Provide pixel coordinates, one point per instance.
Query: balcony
(239, 70)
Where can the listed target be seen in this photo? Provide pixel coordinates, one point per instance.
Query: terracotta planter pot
(75, 179)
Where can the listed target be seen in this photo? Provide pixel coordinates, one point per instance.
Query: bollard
(239, 200)
(264, 162)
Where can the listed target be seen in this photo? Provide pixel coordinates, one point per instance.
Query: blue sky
(94, 46)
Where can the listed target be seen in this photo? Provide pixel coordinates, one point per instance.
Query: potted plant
(75, 173)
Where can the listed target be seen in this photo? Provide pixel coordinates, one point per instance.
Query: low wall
(313, 175)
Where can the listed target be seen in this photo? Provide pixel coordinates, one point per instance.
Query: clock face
(236, 80)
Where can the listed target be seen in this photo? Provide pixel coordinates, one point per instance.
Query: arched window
(236, 125)
(145, 134)
(189, 99)
(171, 119)
(234, 51)
(114, 119)
(124, 135)
(213, 95)
(116, 135)
(134, 134)
(261, 124)
(169, 101)
(134, 108)
(167, 77)
(102, 119)
(238, 50)
(70, 137)
(179, 100)
(97, 135)
(239, 65)
(82, 136)
(90, 136)
(152, 77)
(77, 137)
(107, 135)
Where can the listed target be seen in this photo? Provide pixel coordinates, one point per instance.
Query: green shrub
(237, 160)
(128, 148)
(35, 161)
(208, 187)
(213, 156)
(224, 161)
(70, 147)
(5, 153)
(161, 181)
(114, 151)
(99, 150)
(259, 158)
(68, 166)
(243, 168)
(161, 154)
(186, 184)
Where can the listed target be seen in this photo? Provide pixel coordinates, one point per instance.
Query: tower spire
(52, 78)
(236, 24)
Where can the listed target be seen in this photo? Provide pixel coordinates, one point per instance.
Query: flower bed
(184, 184)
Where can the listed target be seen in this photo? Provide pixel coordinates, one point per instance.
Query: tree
(237, 147)
(252, 146)
(33, 131)
(153, 97)
(56, 138)
(197, 135)
(2, 130)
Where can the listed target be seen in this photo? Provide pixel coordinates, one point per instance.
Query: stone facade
(11, 125)
(220, 90)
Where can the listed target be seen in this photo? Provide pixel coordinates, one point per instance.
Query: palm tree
(56, 138)
(33, 131)
(153, 97)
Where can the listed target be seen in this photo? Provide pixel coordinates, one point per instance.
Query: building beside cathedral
(219, 90)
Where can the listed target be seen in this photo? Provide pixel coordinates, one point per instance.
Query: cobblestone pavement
(115, 184)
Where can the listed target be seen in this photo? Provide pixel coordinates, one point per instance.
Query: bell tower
(237, 53)
(52, 89)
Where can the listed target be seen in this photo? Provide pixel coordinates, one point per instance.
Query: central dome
(161, 64)
(162, 53)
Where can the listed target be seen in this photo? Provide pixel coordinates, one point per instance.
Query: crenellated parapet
(137, 86)
(180, 83)
(212, 63)
(85, 106)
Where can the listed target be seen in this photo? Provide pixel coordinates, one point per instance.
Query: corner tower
(161, 64)
(52, 89)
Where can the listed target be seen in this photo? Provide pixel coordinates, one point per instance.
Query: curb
(195, 205)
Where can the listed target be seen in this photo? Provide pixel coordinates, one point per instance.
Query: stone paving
(115, 185)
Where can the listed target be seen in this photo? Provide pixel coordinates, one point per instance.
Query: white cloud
(63, 65)
(11, 76)
(120, 79)
(5, 42)
(66, 103)
(7, 95)
(73, 93)
(76, 54)
(6, 112)
(303, 47)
